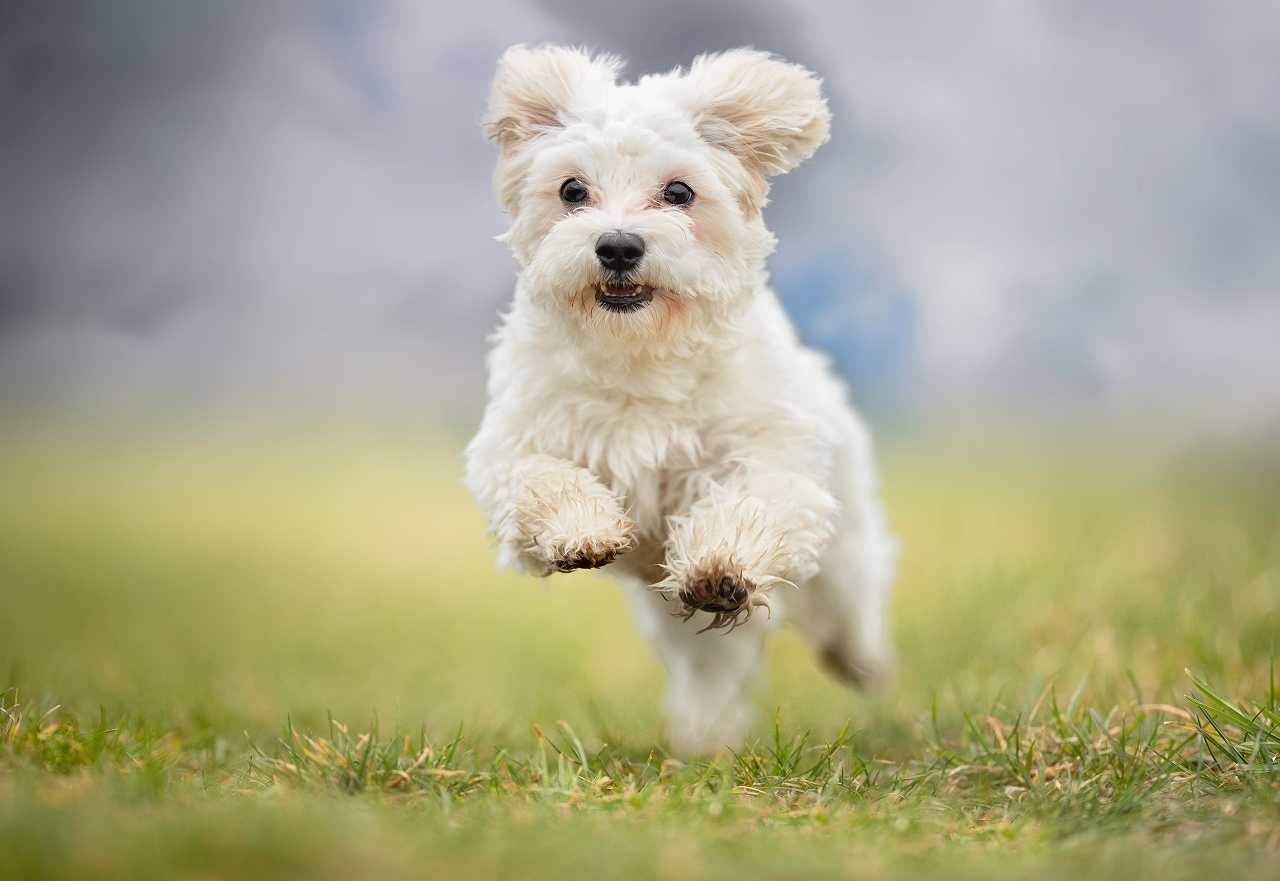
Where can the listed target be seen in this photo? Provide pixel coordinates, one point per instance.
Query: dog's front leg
(744, 536)
(550, 515)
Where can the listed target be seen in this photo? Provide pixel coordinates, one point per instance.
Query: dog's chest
(643, 452)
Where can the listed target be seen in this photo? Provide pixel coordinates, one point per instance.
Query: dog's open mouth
(619, 297)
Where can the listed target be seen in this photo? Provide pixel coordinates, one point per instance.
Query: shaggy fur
(693, 445)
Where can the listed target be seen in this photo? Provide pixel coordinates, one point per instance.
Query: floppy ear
(766, 111)
(534, 87)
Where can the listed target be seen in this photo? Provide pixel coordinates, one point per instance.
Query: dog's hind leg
(708, 673)
(842, 612)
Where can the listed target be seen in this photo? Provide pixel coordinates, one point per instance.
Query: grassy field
(266, 654)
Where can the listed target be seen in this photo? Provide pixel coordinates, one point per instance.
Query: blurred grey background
(1027, 209)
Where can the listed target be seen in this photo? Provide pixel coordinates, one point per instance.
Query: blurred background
(247, 270)
(1026, 209)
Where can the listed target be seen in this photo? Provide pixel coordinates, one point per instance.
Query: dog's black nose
(619, 251)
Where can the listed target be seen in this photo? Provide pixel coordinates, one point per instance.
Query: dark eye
(677, 193)
(573, 191)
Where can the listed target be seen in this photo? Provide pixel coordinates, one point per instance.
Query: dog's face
(636, 207)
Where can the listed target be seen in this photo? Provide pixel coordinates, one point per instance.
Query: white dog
(650, 406)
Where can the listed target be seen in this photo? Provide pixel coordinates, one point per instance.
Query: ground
(251, 653)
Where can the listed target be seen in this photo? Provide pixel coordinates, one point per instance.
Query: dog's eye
(573, 191)
(677, 193)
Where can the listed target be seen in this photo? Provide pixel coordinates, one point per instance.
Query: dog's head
(635, 208)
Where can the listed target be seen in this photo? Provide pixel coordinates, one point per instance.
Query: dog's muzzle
(619, 253)
(618, 296)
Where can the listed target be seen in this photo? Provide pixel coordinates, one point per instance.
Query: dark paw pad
(724, 594)
(727, 598)
(583, 561)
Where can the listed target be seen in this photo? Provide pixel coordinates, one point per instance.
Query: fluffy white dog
(650, 406)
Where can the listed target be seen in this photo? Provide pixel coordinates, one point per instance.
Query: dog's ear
(535, 86)
(766, 111)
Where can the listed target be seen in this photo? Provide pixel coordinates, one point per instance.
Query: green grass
(269, 654)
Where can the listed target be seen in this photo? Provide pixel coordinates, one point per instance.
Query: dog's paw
(863, 669)
(589, 554)
(575, 524)
(568, 553)
(722, 590)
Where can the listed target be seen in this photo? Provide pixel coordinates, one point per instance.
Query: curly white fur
(693, 444)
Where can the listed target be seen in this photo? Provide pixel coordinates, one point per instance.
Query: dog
(650, 406)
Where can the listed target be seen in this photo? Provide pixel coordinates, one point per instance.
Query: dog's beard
(622, 293)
